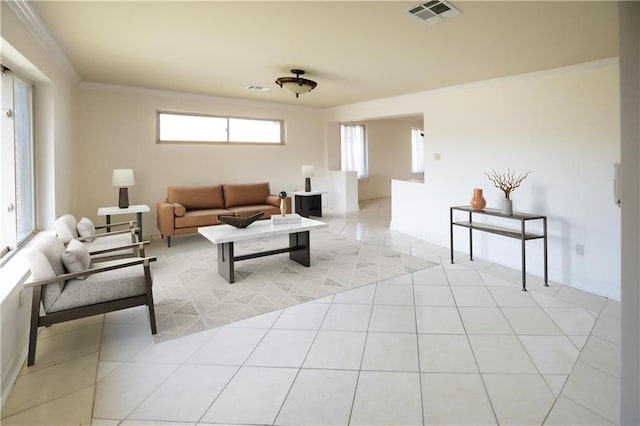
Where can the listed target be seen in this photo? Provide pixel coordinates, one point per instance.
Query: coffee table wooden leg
(225, 261)
(302, 254)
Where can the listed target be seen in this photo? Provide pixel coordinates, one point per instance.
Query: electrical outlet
(436, 156)
(579, 249)
(20, 298)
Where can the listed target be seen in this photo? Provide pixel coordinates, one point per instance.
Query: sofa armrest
(179, 210)
(274, 200)
(165, 218)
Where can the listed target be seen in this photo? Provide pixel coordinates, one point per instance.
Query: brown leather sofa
(189, 207)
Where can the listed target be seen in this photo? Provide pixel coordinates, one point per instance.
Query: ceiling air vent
(434, 11)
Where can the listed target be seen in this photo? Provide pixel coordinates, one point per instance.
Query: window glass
(177, 127)
(23, 160)
(17, 191)
(246, 130)
(192, 128)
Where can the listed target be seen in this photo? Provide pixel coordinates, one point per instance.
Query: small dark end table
(308, 203)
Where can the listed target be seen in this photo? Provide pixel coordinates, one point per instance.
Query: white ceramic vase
(507, 207)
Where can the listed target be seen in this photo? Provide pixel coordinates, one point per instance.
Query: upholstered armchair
(99, 244)
(67, 285)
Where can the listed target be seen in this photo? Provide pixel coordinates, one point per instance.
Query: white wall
(389, 154)
(54, 83)
(563, 125)
(116, 128)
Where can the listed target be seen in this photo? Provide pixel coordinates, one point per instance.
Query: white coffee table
(225, 235)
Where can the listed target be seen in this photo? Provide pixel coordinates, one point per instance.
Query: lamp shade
(307, 171)
(122, 178)
(297, 87)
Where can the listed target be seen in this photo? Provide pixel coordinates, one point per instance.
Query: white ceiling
(356, 51)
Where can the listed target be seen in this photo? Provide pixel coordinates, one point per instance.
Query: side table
(308, 203)
(138, 210)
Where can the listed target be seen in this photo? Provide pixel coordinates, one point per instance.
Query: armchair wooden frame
(131, 224)
(138, 249)
(38, 320)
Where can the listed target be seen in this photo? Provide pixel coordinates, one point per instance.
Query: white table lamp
(123, 178)
(307, 173)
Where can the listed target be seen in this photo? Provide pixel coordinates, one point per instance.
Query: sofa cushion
(245, 194)
(196, 197)
(195, 218)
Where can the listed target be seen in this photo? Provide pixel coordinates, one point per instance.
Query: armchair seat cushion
(110, 241)
(195, 218)
(102, 287)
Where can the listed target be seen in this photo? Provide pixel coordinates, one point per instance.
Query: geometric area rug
(190, 296)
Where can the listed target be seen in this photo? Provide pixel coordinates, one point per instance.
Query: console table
(520, 233)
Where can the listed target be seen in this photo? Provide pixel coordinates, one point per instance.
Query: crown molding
(25, 12)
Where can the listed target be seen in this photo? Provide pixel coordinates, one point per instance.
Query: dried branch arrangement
(506, 182)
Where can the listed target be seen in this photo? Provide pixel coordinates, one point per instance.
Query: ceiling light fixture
(296, 84)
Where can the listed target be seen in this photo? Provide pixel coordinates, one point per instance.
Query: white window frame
(225, 126)
(18, 211)
(354, 149)
(417, 151)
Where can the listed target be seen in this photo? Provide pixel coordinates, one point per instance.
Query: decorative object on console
(507, 183)
(123, 178)
(307, 174)
(296, 84)
(283, 203)
(240, 221)
(478, 202)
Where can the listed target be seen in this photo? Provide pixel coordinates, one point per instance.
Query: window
(353, 149)
(198, 128)
(17, 192)
(417, 151)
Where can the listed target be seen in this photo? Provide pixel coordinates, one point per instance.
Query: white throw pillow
(76, 257)
(66, 228)
(86, 228)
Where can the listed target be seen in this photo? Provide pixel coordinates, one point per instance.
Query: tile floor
(454, 344)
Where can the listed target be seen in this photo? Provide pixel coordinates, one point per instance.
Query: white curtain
(353, 149)
(417, 151)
